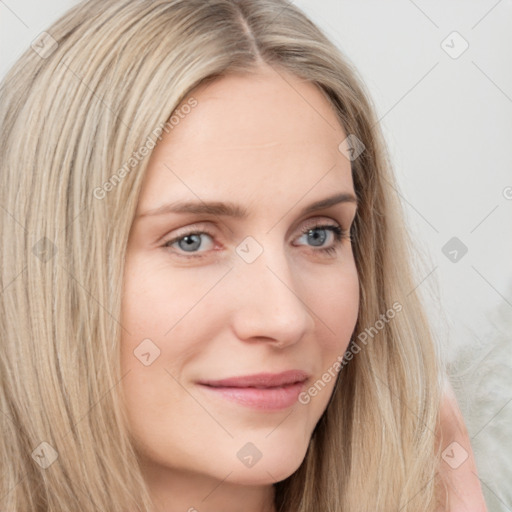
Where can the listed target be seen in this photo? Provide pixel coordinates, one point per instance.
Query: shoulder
(457, 465)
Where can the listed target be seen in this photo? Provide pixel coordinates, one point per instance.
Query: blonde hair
(109, 76)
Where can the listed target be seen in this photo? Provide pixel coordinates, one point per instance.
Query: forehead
(253, 134)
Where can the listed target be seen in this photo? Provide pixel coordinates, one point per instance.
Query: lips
(260, 380)
(263, 391)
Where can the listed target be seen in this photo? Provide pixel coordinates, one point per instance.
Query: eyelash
(338, 232)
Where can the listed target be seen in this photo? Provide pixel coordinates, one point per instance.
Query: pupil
(313, 234)
(191, 242)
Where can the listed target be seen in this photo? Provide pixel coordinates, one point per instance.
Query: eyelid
(315, 221)
(195, 227)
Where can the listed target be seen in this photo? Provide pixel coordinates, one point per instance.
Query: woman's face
(248, 292)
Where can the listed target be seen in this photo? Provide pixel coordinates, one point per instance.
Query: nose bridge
(269, 302)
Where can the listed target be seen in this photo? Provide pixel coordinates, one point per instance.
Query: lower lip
(270, 399)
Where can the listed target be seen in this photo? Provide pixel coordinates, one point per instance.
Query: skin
(464, 489)
(250, 140)
(254, 141)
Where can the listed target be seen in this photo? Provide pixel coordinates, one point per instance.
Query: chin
(277, 462)
(265, 475)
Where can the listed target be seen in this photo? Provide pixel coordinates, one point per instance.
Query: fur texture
(482, 380)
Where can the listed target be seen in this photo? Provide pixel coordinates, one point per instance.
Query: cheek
(336, 305)
(164, 326)
(158, 297)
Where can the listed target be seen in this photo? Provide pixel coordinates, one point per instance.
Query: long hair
(76, 109)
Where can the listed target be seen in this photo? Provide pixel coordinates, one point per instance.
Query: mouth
(264, 391)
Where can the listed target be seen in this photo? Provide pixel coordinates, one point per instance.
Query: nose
(268, 303)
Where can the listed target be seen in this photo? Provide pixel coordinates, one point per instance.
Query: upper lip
(260, 380)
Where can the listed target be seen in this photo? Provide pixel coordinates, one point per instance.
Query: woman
(207, 301)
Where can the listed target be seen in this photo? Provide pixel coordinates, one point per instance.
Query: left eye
(318, 239)
(316, 235)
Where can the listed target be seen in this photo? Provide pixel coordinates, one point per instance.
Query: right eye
(189, 243)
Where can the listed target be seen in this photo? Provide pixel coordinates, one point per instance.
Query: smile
(263, 398)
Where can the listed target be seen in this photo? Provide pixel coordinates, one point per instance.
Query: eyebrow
(237, 211)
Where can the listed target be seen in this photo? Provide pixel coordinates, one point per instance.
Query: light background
(448, 124)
